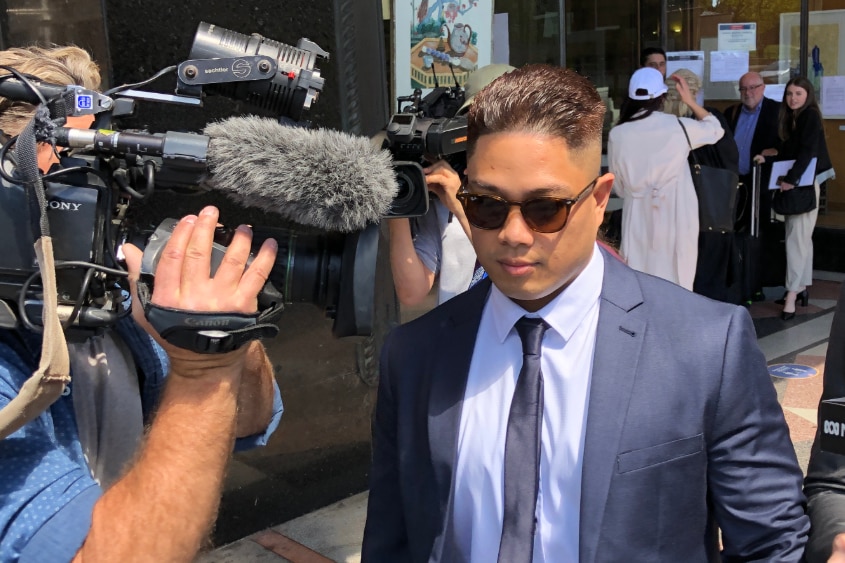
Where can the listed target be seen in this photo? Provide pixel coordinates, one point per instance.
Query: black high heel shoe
(803, 297)
(787, 316)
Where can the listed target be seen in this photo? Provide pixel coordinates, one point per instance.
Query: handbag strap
(691, 151)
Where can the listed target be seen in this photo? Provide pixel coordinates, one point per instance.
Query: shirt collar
(564, 313)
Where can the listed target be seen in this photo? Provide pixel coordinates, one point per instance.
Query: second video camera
(421, 133)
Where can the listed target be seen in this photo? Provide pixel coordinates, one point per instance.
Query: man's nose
(515, 230)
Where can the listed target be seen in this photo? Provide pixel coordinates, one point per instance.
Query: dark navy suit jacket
(766, 133)
(765, 137)
(684, 433)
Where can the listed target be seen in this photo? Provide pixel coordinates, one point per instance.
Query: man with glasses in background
(569, 408)
(754, 123)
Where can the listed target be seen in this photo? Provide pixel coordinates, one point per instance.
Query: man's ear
(601, 192)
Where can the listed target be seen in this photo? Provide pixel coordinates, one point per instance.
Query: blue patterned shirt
(47, 493)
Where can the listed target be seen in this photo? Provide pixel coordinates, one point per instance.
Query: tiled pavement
(334, 533)
(802, 340)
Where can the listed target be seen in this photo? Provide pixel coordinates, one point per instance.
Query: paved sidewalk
(330, 534)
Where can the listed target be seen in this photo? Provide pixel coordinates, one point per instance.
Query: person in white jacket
(647, 152)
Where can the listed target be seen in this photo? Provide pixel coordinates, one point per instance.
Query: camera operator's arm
(414, 264)
(163, 507)
(444, 182)
(256, 392)
(412, 279)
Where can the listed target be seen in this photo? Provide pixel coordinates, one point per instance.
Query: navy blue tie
(522, 449)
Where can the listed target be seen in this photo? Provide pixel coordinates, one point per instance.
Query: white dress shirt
(566, 364)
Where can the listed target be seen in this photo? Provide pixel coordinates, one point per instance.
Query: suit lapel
(450, 370)
(619, 339)
(765, 121)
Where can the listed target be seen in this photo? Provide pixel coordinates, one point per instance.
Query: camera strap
(208, 333)
(48, 382)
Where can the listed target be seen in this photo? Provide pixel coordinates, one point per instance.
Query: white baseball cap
(646, 84)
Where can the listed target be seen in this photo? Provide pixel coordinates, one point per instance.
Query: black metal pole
(4, 25)
(804, 27)
(561, 7)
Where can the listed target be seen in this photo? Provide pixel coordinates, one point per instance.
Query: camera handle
(205, 333)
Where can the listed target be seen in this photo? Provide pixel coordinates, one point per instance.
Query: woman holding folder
(800, 127)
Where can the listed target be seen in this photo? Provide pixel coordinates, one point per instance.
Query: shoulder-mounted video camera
(425, 131)
(89, 192)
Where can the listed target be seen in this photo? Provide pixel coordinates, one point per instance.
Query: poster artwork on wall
(437, 42)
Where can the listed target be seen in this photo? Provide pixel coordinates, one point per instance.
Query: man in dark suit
(754, 123)
(568, 408)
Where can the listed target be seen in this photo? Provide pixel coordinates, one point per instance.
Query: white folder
(782, 167)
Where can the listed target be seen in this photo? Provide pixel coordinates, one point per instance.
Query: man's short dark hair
(648, 51)
(542, 99)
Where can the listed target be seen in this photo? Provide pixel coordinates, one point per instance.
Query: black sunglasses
(541, 214)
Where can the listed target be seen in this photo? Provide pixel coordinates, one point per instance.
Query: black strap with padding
(207, 333)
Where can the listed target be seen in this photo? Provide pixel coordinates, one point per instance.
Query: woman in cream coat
(647, 152)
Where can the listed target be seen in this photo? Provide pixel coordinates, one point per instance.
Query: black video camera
(425, 131)
(89, 192)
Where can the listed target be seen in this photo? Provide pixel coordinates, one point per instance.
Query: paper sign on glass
(833, 96)
(737, 36)
(782, 167)
(728, 66)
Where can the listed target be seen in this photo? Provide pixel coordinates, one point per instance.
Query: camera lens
(406, 189)
(307, 266)
(411, 199)
(331, 270)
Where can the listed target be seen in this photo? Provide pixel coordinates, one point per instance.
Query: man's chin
(527, 293)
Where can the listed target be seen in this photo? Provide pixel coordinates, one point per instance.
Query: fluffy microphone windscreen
(316, 177)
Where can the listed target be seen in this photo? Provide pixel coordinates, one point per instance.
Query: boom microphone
(323, 178)
(316, 177)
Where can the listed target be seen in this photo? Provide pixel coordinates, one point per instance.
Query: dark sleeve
(753, 475)
(825, 482)
(385, 534)
(731, 117)
(728, 151)
(766, 134)
(724, 153)
(805, 143)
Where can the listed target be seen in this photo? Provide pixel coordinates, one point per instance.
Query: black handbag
(800, 199)
(717, 190)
